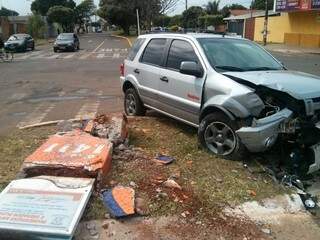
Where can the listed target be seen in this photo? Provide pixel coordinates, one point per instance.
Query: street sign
(43, 207)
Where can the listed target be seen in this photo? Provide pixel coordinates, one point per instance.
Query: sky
(23, 6)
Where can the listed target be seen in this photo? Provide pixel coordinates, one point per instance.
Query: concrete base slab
(73, 154)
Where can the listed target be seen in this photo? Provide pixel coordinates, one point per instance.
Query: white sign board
(44, 207)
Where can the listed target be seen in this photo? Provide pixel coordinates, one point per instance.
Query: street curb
(129, 41)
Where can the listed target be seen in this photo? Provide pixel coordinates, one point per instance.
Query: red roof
(237, 12)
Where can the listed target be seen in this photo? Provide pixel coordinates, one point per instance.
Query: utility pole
(138, 21)
(265, 30)
(186, 4)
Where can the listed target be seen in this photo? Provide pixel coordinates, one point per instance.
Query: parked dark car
(19, 43)
(66, 42)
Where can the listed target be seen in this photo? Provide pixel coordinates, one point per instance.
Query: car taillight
(122, 69)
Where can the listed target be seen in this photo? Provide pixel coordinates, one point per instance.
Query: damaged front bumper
(264, 132)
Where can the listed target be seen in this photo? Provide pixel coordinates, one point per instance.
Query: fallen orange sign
(72, 154)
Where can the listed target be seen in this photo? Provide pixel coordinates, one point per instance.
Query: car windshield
(16, 37)
(65, 37)
(237, 55)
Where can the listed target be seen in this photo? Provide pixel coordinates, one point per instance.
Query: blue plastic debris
(163, 159)
(119, 201)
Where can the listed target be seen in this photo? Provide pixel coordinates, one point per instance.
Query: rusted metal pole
(265, 30)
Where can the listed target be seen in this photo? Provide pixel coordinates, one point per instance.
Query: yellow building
(295, 26)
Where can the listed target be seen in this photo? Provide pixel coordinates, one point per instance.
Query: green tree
(210, 20)
(84, 11)
(212, 8)
(225, 11)
(260, 4)
(4, 12)
(118, 14)
(162, 20)
(42, 6)
(191, 17)
(176, 20)
(36, 26)
(63, 16)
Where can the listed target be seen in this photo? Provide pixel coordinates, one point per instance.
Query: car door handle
(164, 79)
(137, 71)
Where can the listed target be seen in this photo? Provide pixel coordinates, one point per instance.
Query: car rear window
(154, 52)
(135, 48)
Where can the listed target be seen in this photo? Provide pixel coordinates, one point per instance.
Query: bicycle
(6, 56)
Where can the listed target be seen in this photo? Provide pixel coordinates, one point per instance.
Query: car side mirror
(191, 68)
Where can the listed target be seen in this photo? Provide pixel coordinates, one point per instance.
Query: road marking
(109, 50)
(69, 56)
(38, 114)
(88, 110)
(18, 96)
(116, 55)
(98, 47)
(85, 56)
(53, 56)
(101, 55)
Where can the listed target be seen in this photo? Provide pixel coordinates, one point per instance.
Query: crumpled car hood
(299, 85)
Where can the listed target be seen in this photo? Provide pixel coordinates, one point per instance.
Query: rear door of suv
(179, 94)
(145, 69)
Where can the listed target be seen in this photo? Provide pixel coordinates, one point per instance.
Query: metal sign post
(138, 21)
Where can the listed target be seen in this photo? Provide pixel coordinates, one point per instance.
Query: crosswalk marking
(116, 55)
(103, 54)
(69, 56)
(53, 56)
(85, 56)
(38, 114)
(88, 110)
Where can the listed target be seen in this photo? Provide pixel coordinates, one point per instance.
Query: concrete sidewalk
(283, 48)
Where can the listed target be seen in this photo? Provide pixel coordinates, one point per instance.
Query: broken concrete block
(89, 127)
(43, 207)
(74, 154)
(119, 201)
(113, 127)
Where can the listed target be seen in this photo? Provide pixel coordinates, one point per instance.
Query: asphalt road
(309, 63)
(44, 86)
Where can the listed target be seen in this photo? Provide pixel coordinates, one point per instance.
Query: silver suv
(238, 95)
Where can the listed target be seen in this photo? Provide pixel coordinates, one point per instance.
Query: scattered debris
(252, 193)
(73, 154)
(89, 127)
(172, 184)
(185, 214)
(53, 205)
(119, 201)
(141, 207)
(112, 127)
(266, 231)
(163, 159)
(133, 184)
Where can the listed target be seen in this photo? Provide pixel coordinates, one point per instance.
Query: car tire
(33, 47)
(78, 48)
(55, 50)
(133, 105)
(217, 133)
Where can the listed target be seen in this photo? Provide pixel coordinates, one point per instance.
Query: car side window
(154, 52)
(180, 51)
(135, 48)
